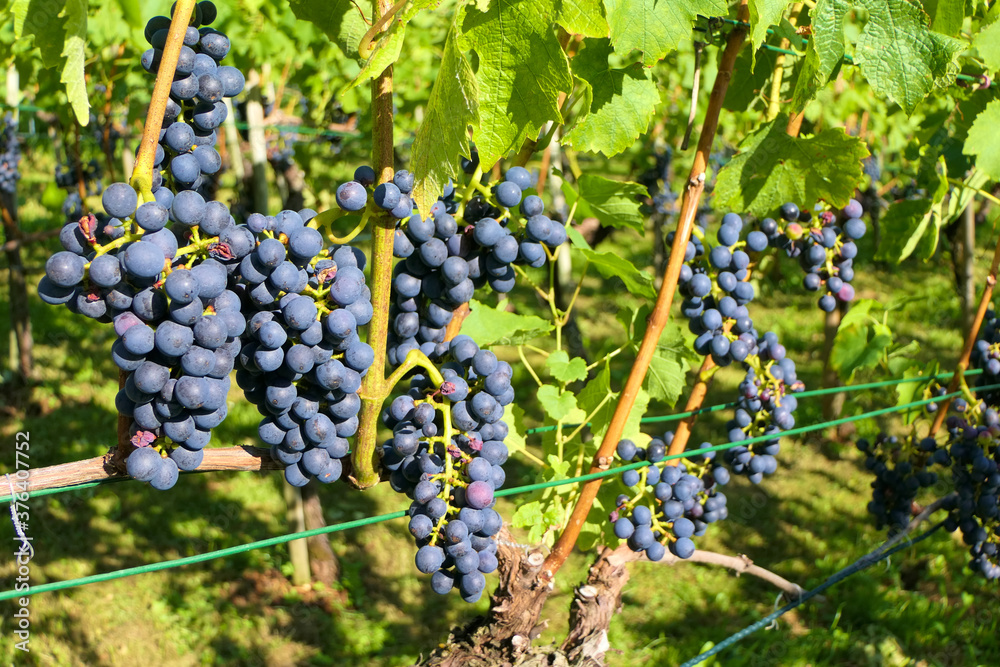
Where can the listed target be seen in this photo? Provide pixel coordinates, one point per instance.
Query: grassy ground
(805, 523)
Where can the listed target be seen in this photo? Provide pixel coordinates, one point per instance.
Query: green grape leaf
(522, 69)
(763, 14)
(772, 168)
(386, 50)
(576, 239)
(614, 203)
(538, 517)
(46, 22)
(74, 51)
(453, 107)
(666, 378)
(619, 102)
(558, 405)
(341, 20)
(749, 79)
(583, 17)
(492, 326)
(982, 140)
(987, 43)
(901, 57)
(565, 369)
(903, 225)
(947, 16)
(907, 392)
(656, 27)
(590, 400)
(513, 416)
(828, 34)
(858, 346)
(612, 265)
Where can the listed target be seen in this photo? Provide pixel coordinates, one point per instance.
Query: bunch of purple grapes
(668, 504)
(446, 454)
(302, 359)
(10, 155)
(195, 108)
(824, 248)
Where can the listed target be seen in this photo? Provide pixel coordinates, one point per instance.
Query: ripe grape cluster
(195, 109)
(824, 248)
(446, 454)
(670, 503)
(458, 248)
(970, 452)
(302, 360)
(717, 295)
(10, 155)
(165, 271)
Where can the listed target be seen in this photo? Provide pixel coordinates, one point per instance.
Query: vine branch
(970, 341)
(661, 314)
(142, 173)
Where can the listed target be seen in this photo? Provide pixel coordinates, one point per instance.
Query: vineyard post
(661, 313)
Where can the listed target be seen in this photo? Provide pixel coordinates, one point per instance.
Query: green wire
(243, 548)
(541, 429)
(803, 394)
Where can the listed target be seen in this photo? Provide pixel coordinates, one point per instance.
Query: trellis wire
(222, 553)
(802, 394)
(857, 566)
(542, 429)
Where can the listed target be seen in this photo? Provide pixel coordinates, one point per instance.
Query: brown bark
(512, 615)
(105, 467)
(592, 608)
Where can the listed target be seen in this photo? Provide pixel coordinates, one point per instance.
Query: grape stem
(142, 173)
(661, 313)
(364, 458)
(365, 47)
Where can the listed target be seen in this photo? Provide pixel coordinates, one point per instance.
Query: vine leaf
(904, 224)
(559, 405)
(583, 17)
(987, 43)
(947, 16)
(656, 27)
(339, 19)
(902, 58)
(492, 326)
(610, 265)
(565, 369)
(763, 14)
(619, 102)
(772, 168)
(453, 106)
(614, 203)
(59, 30)
(522, 69)
(513, 416)
(590, 398)
(982, 140)
(861, 340)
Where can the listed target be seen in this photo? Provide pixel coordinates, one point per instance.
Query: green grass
(808, 521)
